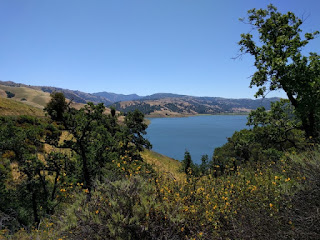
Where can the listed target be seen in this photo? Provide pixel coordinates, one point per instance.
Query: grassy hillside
(9, 107)
(187, 105)
(33, 97)
(156, 105)
(76, 96)
(163, 164)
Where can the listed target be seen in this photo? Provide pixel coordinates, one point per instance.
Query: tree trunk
(86, 173)
(308, 124)
(35, 208)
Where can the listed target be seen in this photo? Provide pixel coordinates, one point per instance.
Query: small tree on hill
(57, 106)
(132, 135)
(204, 166)
(187, 164)
(91, 136)
(10, 94)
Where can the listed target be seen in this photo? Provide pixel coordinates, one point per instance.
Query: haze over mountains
(155, 105)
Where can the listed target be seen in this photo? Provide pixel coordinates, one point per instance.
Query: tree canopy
(277, 49)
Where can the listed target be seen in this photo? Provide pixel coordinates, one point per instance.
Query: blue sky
(135, 46)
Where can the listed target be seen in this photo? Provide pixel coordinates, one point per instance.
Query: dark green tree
(204, 166)
(132, 137)
(281, 65)
(187, 164)
(22, 142)
(271, 134)
(90, 136)
(56, 106)
(278, 128)
(10, 94)
(113, 111)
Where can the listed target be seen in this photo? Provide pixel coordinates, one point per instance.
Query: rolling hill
(74, 95)
(21, 99)
(30, 96)
(155, 105)
(114, 97)
(10, 107)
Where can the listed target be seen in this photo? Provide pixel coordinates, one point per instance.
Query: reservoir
(198, 134)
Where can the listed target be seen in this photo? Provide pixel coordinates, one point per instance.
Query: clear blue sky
(135, 46)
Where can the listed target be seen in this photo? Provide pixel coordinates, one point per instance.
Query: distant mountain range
(114, 97)
(159, 104)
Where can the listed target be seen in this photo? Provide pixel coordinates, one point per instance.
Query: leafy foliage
(22, 142)
(91, 140)
(92, 183)
(281, 65)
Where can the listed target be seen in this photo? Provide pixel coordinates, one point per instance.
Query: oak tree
(277, 49)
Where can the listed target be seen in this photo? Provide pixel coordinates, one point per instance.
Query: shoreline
(196, 115)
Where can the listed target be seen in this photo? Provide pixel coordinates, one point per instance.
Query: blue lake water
(199, 134)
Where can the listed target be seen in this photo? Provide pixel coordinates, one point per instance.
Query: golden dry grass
(163, 164)
(3, 93)
(33, 97)
(9, 107)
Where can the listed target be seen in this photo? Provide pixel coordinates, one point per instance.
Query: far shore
(195, 115)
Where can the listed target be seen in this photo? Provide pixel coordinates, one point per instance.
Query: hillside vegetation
(83, 174)
(160, 106)
(9, 107)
